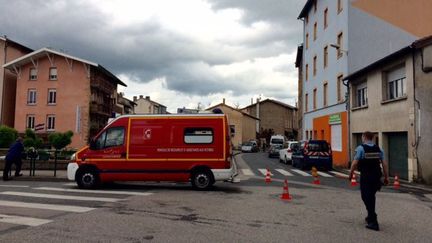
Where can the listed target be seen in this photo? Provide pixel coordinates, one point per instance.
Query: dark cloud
(147, 51)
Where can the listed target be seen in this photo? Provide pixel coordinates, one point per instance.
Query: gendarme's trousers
(369, 185)
(8, 165)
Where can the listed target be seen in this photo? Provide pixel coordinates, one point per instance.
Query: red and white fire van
(180, 148)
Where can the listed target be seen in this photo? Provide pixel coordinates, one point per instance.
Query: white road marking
(94, 191)
(12, 219)
(339, 174)
(300, 172)
(55, 207)
(264, 172)
(52, 196)
(247, 172)
(70, 184)
(324, 174)
(16, 186)
(284, 172)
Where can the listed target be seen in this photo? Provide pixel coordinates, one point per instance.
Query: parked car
(285, 154)
(249, 147)
(274, 150)
(313, 153)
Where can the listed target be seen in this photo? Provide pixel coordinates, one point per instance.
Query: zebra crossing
(17, 200)
(290, 172)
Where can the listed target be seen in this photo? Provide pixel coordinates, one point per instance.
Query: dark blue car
(313, 153)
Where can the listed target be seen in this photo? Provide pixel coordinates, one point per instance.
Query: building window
(325, 60)
(314, 65)
(31, 97)
(361, 95)
(339, 87)
(315, 31)
(325, 94)
(307, 19)
(52, 96)
(315, 99)
(53, 73)
(307, 135)
(306, 102)
(33, 74)
(396, 83)
(50, 122)
(315, 6)
(30, 121)
(307, 72)
(325, 18)
(307, 40)
(198, 135)
(310, 134)
(340, 44)
(339, 6)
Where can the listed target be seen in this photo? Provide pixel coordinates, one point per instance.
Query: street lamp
(337, 47)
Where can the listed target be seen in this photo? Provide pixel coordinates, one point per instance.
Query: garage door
(398, 154)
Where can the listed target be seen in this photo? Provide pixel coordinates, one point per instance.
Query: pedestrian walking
(13, 157)
(368, 160)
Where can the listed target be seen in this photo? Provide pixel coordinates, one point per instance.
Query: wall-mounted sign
(335, 119)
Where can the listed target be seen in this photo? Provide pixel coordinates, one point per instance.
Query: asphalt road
(251, 211)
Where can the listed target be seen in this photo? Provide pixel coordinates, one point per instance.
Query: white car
(285, 154)
(249, 147)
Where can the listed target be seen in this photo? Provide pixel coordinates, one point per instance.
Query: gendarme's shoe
(18, 175)
(373, 226)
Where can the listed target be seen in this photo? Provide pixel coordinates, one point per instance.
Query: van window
(318, 147)
(277, 141)
(112, 137)
(198, 135)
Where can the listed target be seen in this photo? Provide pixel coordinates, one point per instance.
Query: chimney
(147, 97)
(135, 98)
(141, 96)
(223, 101)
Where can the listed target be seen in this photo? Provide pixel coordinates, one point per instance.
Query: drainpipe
(347, 102)
(417, 121)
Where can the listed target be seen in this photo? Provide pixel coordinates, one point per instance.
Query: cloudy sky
(180, 53)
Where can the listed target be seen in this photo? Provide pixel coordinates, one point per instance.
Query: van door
(109, 150)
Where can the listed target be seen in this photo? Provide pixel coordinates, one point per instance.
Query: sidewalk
(403, 183)
(42, 175)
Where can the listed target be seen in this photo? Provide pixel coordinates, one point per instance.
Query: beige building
(391, 97)
(147, 106)
(242, 123)
(9, 50)
(275, 115)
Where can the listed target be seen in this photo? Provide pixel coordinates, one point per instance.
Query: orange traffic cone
(285, 195)
(353, 180)
(396, 183)
(316, 180)
(268, 178)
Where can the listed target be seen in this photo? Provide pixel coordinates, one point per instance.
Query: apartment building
(9, 50)
(148, 106)
(57, 92)
(124, 105)
(275, 115)
(299, 66)
(341, 37)
(391, 97)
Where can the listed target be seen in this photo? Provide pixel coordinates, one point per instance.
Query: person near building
(14, 157)
(369, 161)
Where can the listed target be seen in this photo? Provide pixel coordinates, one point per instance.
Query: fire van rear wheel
(87, 178)
(202, 179)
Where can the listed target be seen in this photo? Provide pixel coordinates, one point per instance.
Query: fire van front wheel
(87, 179)
(202, 180)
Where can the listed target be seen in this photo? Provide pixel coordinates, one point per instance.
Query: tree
(31, 139)
(7, 136)
(60, 140)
